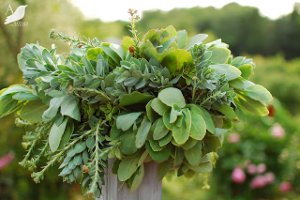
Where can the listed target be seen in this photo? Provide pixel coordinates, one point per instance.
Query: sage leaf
(56, 133)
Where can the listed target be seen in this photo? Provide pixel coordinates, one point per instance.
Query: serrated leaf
(142, 132)
(125, 121)
(171, 97)
(56, 134)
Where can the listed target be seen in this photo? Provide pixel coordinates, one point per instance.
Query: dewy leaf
(160, 130)
(171, 97)
(135, 98)
(125, 121)
(33, 111)
(229, 71)
(159, 107)
(69, 107)
(56, 134)
(194, 154)
(259, 93)
(181, 134)
(127, 168)
(198, 128)
(220, 55)
(142, 133)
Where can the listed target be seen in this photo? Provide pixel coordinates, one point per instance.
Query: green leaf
(25, 97)
(125, 121)
(135, 98)
(127, 168)
(165, 140)
(56, 134)
(259, 93)
(250, 105)
(210, 126)
(227, 111)
(127, 42)
(138, 178)
(142, 133)
(17, 88)
(67, 134)
(189, 144)
(127, 145)
(69, 107)
(197, 39)
(175, 59)
(182, 39)
(220, 55)
(194, 154)
(158, 156)
(160, 130)
(51, 112)
(154, 145)
(171, 97)
(93, 53)
(247, 70)
(181, 134)
(33, 111)
(229, 71)
(8, 105)
(198, 128)
(159, 107)
(211, 143)
(150, 112)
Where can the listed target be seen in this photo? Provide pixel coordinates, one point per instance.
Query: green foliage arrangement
(161, 98)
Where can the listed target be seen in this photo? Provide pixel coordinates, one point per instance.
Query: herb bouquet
(164, 98)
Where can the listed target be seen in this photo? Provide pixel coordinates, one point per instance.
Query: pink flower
(234, 138)
(261, 168)
(258, 182)
(277, 131)
(285, 187)
(269, 177)
(5, 160)
(251, 168)
(238, 176)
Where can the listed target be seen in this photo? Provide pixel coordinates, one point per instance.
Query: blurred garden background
(260, 159)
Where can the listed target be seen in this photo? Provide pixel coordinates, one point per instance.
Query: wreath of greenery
(164, 98)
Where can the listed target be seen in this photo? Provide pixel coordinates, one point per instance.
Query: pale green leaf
(125, 121)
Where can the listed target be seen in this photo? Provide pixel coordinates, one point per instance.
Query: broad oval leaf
(159, 107)
(229, 71)
(259, 93)
(172, 96)
(220, 55)
(70, 107)
(194, 154)
(198, 127)
(127, 168)
(181, 134)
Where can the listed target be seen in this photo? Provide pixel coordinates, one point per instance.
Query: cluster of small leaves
(165, 98)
